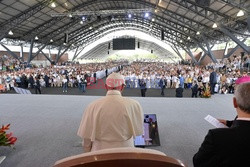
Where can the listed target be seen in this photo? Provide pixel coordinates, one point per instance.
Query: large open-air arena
(82, 79)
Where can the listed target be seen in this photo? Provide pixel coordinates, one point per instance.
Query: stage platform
(46, 125)
(92, 91)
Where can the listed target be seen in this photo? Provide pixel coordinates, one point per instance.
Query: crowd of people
(100, 129)
(138, 74)
(114, 121)
(64, 76)
(162, 75)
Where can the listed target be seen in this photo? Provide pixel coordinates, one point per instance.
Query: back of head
(114, 81)
(242, 94)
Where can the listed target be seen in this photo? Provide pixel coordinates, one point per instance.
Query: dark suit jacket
(195, 88)
(229, 123)
(179, 92)
(162, 83)
(212, 77)
(225, 147)
(142, 83)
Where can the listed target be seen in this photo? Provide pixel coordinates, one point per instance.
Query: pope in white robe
(112, 121)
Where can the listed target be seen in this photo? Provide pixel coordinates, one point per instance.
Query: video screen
(150, 136)
(124, 44)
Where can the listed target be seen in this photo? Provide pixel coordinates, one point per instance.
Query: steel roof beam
(175, 16)
(60, 55)
(83, 33)
(40, 28)
(156, 36)
(17, 20)
(188, 51)
(59, 52)
(10, 52)
(36, 54)
(192, 6)
(248, 24)
(168, 24)
(210, 53)
(75, 54)
(177, 51)
(31, 50)
(22, 56)
(46, 57)
(240, 5)
(95, 35)
(232, 51)
(51, 22)
(235, 39)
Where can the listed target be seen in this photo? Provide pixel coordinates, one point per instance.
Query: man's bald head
(242, 96)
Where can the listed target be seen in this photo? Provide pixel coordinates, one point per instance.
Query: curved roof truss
(102, 50)
(180, 20)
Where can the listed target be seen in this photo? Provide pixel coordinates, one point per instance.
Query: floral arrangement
(206, 93)
(6, 139)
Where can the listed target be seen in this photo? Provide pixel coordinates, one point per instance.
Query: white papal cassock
(112, 121)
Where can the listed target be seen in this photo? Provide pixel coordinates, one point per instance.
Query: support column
(75, 54)
(232, 51)
(225, 50)
(39, 50)
(236, 40)
(79, 53)
(10, 52)
(190, 54)
(21, 53)
(58, 54)
(177, 52)
(49, 52)
(46, 57)
(209, 51)
(62, 53)
(203, 55)
(248, 23)
(172, 59)
(31, 50)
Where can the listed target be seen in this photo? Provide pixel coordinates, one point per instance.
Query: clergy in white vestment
(111, 121)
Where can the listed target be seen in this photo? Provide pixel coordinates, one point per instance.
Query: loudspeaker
(152, 51)
(205, 3)
(66, 38)
(162, 34)
(138, 45)
(108, 52)
(109, 46)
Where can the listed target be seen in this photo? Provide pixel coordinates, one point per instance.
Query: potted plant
(206, 93)
(6, 139)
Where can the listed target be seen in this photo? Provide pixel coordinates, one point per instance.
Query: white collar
(244, 119)
(114, 92)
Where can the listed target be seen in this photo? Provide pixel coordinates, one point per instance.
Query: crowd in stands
(151, 74)
(184, 75)
(8, 63)
(73, 75)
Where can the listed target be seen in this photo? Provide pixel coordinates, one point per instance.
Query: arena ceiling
(186, 24)
(101, 50)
